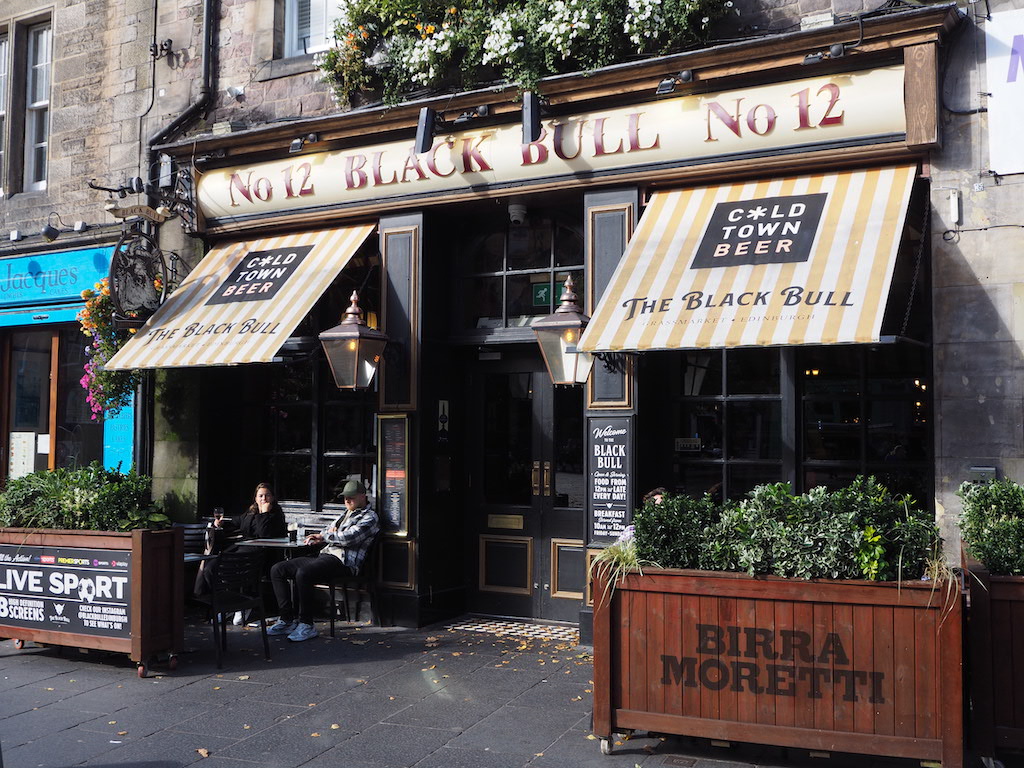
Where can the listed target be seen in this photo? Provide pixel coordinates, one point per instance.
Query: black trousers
(306, 572)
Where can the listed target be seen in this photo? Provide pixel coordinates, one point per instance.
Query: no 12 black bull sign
(84, 591)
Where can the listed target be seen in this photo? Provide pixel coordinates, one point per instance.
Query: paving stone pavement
(370, 698)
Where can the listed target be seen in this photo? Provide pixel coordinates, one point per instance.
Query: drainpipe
(145, 402)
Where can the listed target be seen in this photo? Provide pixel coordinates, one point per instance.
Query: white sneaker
(303, 632)
(238, 619)
(282, 628)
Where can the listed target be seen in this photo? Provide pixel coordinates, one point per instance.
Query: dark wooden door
(526, 489)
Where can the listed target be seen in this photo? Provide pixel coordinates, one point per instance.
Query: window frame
(5, 70)
(320, 18)
(36, 95)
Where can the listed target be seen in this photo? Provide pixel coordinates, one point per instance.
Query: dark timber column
(401, 248)
(611, 415)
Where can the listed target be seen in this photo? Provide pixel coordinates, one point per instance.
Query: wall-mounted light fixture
(428, 122)
(558, 334)
(472, 114)
(16, 235)
(236, 92)
(531, 117)
(668, 85)
(836, 50)
(50, 232)
(299, 143)
(161, 50)
(353, 349)
(81, 226)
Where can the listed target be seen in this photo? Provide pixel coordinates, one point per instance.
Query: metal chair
(236, 587)
(195, 535)
(365, 581)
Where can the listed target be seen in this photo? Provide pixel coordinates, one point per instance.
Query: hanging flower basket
(108, 391)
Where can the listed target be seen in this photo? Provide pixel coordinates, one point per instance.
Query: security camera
(516, 214)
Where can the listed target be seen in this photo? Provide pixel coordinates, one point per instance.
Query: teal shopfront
(45, 418)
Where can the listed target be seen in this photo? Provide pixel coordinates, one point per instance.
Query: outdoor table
(282, 543)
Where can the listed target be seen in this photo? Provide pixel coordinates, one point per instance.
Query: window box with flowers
(402, 46)
(108, 391)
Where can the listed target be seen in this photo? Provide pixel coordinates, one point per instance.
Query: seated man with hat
(345, 543)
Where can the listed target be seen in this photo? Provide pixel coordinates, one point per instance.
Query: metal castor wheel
(606, 746)
(19, 643)
(142, 669)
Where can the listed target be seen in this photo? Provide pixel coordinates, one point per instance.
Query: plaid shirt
(356, 531)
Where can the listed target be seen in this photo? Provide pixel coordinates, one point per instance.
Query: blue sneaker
(303, 632)
(282, 628)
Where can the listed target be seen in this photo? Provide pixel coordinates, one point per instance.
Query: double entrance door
(525, 490)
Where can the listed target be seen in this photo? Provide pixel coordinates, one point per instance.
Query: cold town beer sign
(792, 260)
(804, 112)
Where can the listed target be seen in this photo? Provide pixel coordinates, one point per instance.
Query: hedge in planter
(992, 528)
(850, 663)
(88, 498)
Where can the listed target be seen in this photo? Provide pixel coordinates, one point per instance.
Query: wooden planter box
(121, 592)
(995, 635)
(844, 666)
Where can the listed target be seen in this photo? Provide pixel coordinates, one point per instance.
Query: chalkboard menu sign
(610, 484)
(393, 499)
(83, 591)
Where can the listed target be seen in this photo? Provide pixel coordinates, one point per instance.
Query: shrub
(89, 498)
(858, 532)
(992, 524)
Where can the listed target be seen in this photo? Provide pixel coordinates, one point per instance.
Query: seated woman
(263, 520)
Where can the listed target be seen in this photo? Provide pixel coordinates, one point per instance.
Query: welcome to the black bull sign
(776, 663)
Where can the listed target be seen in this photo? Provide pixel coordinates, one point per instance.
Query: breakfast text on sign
(570, 139)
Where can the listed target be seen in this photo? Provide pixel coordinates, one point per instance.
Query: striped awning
(799, 260)
(242, 301)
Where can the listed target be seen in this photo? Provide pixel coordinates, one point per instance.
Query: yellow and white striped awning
(242, 301)
(799, 260)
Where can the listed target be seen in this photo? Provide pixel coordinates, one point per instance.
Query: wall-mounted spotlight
(836, 50)
(50, 232)
(531, 117)
(236, 92)
(425, 126)
(81, 226)
(162, 50)
(668, 85)
(472, 114)
(299, 143)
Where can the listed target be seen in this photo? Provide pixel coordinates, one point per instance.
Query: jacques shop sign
(685, 129)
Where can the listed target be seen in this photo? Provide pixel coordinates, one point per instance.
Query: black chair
(236, 587)
(364, 582)
(195, 535)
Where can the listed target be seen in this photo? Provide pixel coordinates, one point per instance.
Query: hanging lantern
(558, 334)
(353, 349)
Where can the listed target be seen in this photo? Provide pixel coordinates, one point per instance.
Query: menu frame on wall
(393, 473)
(609, 477)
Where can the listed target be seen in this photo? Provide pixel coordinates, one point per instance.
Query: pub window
(309, 25)
(37, 107)
(812, 415)
(512, 273)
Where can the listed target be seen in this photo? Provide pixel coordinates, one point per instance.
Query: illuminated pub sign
(762, 119)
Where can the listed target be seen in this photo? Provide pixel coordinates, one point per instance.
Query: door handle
(535, 478)
(547, 478)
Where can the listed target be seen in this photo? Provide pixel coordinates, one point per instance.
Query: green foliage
(992, 524)
(674, 529)
(90, 498)
(403, 45)
(858, 532)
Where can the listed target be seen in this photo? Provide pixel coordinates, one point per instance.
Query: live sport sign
(80, 591)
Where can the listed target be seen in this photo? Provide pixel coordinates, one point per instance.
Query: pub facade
(749, 228)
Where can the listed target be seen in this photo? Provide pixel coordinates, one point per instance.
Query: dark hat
(352, 489)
